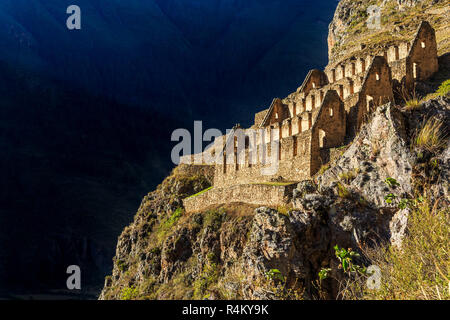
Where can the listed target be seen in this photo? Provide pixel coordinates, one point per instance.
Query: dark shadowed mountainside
(86, 116)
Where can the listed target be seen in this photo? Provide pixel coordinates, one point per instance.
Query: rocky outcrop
(379, 152)
(348, 29)
(236, 251)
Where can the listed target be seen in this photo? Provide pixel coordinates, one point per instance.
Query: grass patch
(199, 193)
(207, 279)
(166, 225)
(323, 169)
(276, 184)
(431, 136)
(442, 91)
(284, 210)
(444, 88)
(413, 104)
(343, 192)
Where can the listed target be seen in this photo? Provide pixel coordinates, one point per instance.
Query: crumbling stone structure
(326, 111)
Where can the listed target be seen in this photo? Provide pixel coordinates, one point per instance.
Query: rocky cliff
(229, 251)
(398, 21)
(362, 199)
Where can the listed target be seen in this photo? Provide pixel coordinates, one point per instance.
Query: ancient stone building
(294, 137)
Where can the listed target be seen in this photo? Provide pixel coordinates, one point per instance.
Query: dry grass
(431, 136)
(421, 268)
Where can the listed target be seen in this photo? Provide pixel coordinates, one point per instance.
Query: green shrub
(343, 191)
(444, 88)
(129, 293)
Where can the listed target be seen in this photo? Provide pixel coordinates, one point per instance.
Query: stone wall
(422, 61)
(256, 194)
(326, 110)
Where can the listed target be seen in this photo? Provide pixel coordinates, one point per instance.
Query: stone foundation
(255, 194)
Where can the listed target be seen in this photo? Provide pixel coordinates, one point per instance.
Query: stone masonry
(325, 112)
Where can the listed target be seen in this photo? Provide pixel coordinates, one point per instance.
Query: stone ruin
(300, 132)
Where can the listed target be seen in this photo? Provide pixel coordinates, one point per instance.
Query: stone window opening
(377, 76)
(313, 101)
(423, 44)
(415, 70)
(369, 103)
(341, 91)
(294, 146)
(304, 105)
(313, 84)
(397, 53)
(276, 115)
(309, 120)
(333, 75)
(224, 163)
(331, 112)
(352, 87)
(321, 96)
(353, 69)
(322, 136)
(363, 65)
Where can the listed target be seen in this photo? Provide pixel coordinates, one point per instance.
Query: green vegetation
(420, 269)
(323, 169)
(389, 198)
(391, 182)
(208, 278)
(213, 219)
(324, 273)
(277, 184)
(346, 258)
(343, 192)
(349, 273)
(284, 210)
(444, 88)
(122, 265)
(442, 91)
(199, 193)
(165, 226)
(129, 293)
(275, 274)
(412, 104)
